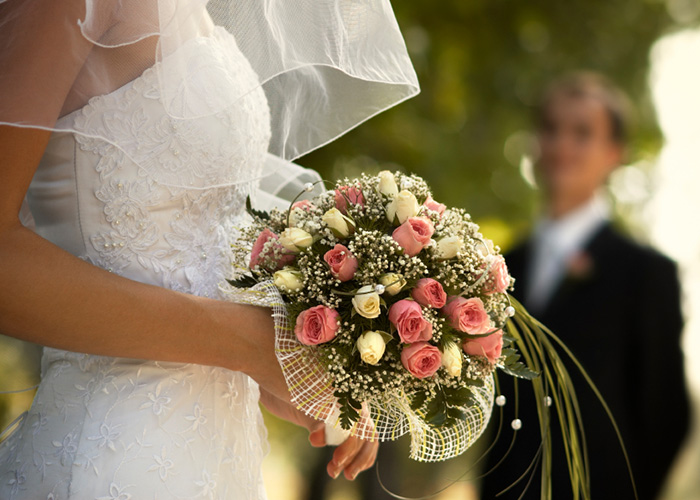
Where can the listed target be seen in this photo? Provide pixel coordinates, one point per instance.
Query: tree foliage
(481, 65)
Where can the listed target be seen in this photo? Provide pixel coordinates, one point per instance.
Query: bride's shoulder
(41, 52)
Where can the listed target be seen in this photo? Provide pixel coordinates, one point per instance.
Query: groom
(615, 303)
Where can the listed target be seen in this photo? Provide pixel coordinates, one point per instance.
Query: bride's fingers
(343, 456)
(317, 437)
(363, 460)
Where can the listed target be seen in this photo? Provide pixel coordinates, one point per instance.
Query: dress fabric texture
(119, 429)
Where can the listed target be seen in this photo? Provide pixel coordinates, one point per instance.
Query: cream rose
(448, 247)
(294, 239)
(338, 223)
(452, 359)
(366, 302)
(288, 279)
(403, 206)
(371, 346)
(392, 282)
(387, 184)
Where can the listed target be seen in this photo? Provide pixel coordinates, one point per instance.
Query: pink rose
(316, 325)
(429, 293)
(259, 253)
(348, 193)
(407, 317)
(414, 234)
(433, 205)
(467, 315)
(498, 279)
(342, 262)
(489, 346)
(421, 359)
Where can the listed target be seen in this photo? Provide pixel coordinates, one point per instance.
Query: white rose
(295, 239)
(392, 282)
(366, 302)
(339, 224)
(449, 246)
(452, 359)
(403, 206)
(371, 346)
(288, 279)
(387, 184)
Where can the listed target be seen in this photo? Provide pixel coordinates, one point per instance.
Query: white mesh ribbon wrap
(384, 420)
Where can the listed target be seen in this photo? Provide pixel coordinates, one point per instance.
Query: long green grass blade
(539, 348)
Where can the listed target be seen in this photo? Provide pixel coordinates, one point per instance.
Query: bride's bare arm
(52, 298)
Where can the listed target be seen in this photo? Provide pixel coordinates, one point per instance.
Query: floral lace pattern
(160, 209)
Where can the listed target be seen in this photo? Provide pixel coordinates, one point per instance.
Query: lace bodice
(162, 210)
(140, 210)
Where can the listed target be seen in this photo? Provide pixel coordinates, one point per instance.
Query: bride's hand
(251, 350)
(353, 456)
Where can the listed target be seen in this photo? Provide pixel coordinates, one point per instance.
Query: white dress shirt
(555, 242)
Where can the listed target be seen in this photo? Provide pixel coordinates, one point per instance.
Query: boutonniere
(580, 266)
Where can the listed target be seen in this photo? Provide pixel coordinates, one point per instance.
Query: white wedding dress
(119, 429)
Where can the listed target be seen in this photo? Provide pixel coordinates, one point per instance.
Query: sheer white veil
(325, 65)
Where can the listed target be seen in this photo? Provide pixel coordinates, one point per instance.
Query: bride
(131, 132)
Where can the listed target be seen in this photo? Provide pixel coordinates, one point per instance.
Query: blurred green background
(481, 64)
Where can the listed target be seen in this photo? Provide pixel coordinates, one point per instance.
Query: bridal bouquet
(392, 311)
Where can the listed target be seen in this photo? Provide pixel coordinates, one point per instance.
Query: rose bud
(392, 282)
(402, 207)
(448, 247)
(387, 184)
(499, 279)
(414, 234)
(342, 262)
(366, 302)
(371, 346)
(452, 359)
(289, 279)
(433, 205)
(489, 347)
(421, 359)
(317, 325)
(348, 193)
(338, 223)
(295, 239)
(467, 315)
(301, 205)
(263, 248)
(407, 316)
(429, 293)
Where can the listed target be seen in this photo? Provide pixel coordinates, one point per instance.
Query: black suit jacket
(618, 309)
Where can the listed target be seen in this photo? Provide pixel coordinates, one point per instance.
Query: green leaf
(255, 213)
(518, 369)
(245, 281)
(418, 400)
(386, 336)
(461, 396)
(349, 410)
(456, 413)
(436, 411)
